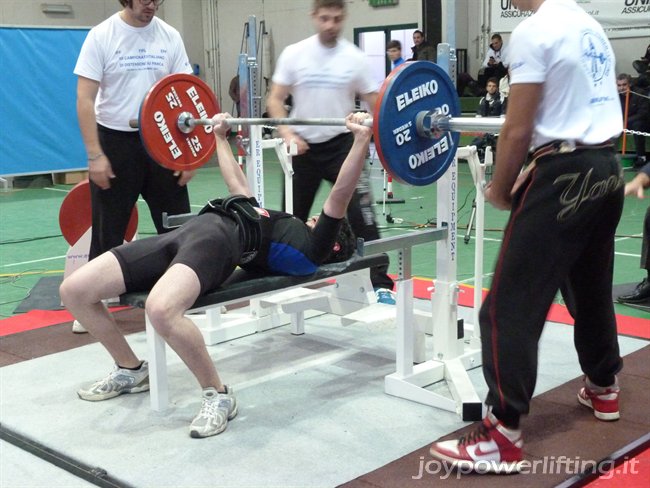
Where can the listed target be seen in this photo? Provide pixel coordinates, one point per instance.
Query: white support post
(405, 341)
(444, 301)
(298, 323)
(285, 156)
(158, 386)
(255, 164)
(479, 182)
(451, 358)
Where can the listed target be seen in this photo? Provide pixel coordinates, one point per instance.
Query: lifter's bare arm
(339, 197)
(230, 170)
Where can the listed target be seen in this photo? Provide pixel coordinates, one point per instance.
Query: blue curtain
(39, 131)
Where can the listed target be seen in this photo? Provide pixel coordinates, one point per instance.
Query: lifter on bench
(180, 266)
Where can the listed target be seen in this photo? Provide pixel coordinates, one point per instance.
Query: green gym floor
(32, 245)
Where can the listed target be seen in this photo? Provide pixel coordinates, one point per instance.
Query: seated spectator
(493, 64)
(638, 112)
(422, 50)
(491, 105)
(394, 53)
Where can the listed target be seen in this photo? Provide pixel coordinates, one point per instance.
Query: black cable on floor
(29, 239)
(96, 475)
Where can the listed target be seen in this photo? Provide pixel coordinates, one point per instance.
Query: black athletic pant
(641, 125)
(323, 162)
(560, 235)
(135, 174)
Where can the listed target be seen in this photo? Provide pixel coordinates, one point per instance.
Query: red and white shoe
(490, 448)
(604, 404)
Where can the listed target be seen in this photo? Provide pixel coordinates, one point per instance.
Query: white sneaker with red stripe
(490, 448)
(604, 402)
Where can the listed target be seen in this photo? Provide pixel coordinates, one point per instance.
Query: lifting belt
(241, 210)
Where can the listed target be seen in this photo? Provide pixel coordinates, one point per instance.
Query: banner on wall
(39, 131)
(619, 18)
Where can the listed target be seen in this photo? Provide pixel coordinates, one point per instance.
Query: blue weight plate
(420, 86)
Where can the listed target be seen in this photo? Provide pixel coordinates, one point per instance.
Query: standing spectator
(641, 292)
(491, 105)
(422, 50)
(638, 114)
(564, 212)
(120, 60)
(233, 91)
(493, 65)
(394, 52)
(324, 73)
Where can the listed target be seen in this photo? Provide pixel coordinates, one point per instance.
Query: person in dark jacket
(491, 105)
(422, 50)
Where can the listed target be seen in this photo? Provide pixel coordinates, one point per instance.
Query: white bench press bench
(353, 291)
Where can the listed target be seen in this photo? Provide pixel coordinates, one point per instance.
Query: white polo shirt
(324, 83)
(564, 48)
(127, 61)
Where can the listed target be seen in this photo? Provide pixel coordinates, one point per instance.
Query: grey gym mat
(312, 409)
(44, 296)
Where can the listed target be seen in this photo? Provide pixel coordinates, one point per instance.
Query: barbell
(416, 123)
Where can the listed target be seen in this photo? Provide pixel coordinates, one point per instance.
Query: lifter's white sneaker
(118, 381)
(77, 328)
(216, 410)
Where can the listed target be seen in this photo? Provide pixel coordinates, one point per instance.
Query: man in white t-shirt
(324, 73)
(119, 62)
(564, 211)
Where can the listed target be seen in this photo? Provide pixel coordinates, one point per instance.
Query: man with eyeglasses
(119, 61)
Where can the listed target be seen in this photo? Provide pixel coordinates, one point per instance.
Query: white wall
(288, 21)
(85, 13)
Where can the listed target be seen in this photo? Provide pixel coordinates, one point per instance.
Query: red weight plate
(75, 216)
(132, 226)
(158, 122)
(385, 86)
